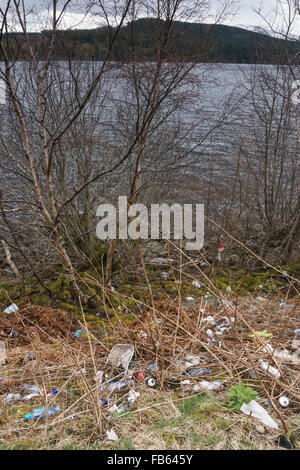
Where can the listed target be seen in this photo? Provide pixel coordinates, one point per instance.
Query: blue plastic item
(41, 412)
(197, 371)
(77, 333)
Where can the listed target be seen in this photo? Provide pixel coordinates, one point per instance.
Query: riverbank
(167, 322)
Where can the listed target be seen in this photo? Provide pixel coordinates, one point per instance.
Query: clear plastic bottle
(41, 412)
(270, 369)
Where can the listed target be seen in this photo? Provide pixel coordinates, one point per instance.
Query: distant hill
(189, 41)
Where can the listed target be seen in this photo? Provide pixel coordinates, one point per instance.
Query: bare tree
(273, 161)
(156, 92)
(68, 143)
(40, 135)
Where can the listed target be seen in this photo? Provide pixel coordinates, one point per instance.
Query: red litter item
(140, 375)
(221, 247)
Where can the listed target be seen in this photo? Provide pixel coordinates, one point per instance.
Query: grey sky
(246, 14)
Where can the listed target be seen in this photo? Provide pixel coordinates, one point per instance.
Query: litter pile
(224, 339)
(199, 349)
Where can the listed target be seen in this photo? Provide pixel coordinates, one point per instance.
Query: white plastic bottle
(270, 369)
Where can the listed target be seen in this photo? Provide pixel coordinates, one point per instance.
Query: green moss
(5, 285)
(69, 307)
(291, 268)
(130, 293)
(9, 291)
(58, 285)
(55, 346)
(128, 318)
(169, 286)
(247, 282)
(86, 421)
(89, 317)
(18, 412)
(129, 303)
(40, 299)
(108, 339)
(3, 296)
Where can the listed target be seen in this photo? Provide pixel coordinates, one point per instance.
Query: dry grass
(170, 416)
(163, 418)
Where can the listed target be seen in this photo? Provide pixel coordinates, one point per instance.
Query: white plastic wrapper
(120, 355)
(196, 284)
(255, 410)
(111, 435)
(11, 309)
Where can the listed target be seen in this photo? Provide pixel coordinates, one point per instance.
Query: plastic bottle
(195, 372)
(41, 412)
(104, 402)
(118, 385)
(271, 370)
(53, 392)
(128, 405)
(34, 391)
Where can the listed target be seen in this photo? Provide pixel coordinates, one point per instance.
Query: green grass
(125, 443)
(188, 406)
(168, 423)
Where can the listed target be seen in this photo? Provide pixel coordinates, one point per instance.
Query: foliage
(239, 394)
(221, 44)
